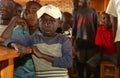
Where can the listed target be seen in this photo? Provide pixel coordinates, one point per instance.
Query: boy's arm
(8, 31)
(37, 53)
(20, 48)
(64, 61)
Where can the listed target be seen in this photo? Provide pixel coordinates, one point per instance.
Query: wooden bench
(108, 70)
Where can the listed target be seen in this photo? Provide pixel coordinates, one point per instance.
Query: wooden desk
(7, 62)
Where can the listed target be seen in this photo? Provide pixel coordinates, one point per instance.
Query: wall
(66, 5)
(99, 5)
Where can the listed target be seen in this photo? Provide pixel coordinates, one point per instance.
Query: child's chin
(48, 34)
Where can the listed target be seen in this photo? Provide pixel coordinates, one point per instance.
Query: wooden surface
(7, 53)
(7, 56)
(108, 70)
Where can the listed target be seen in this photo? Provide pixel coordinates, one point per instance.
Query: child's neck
(32, 29)
(52, 35)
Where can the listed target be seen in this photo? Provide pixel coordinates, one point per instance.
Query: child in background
(66, 25)
(7, 11)
(85, 23)
(52, 53)
(67, 21)
(18, 8)
(105, 42)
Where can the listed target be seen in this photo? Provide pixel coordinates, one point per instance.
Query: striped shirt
(57, 46)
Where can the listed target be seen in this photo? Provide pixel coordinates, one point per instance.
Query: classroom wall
(66, 5)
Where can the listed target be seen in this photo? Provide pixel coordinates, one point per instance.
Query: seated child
(52, 52)
(105, 42)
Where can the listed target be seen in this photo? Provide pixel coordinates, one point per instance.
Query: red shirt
(104, 38)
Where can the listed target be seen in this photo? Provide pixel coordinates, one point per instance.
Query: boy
(67, 21)
(7, 11)
(19, 28)
(52, 53)
(105, 42)
(85, 23)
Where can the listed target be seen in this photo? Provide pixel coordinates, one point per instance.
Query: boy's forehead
(32, 5)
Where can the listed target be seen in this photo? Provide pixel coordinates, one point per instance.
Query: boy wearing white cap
(52, 52)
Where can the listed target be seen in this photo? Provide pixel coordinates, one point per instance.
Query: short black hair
(33, 3)
(68, 17)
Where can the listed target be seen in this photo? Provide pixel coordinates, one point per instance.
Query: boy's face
(106, 20)
(30, 15)
(48, 25)
(75, 3)
(7, 9)
(84, 3)
(65, 23)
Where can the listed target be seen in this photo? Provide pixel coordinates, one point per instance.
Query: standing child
(85, 23)
(105, 42)
(52, 53)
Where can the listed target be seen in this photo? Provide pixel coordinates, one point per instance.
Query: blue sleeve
(65, 60)
(19, 32)
(26, 41)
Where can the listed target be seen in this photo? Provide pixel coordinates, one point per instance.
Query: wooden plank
(7, 71)
(7, 53)
(7, 56)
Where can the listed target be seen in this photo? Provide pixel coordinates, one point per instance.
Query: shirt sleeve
(19, 32)
(111, 8)
(26, 41)
(65, 60)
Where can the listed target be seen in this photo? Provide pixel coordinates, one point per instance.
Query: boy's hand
(36, 52)
(20, 21)
(20, 48)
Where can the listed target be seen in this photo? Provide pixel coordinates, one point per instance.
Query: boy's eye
(52, 20)
(34, 10)
(47, 21)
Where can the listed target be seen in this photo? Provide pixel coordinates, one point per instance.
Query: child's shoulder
(101, 27)
(62, 37)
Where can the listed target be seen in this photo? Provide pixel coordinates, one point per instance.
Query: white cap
(50, 10)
